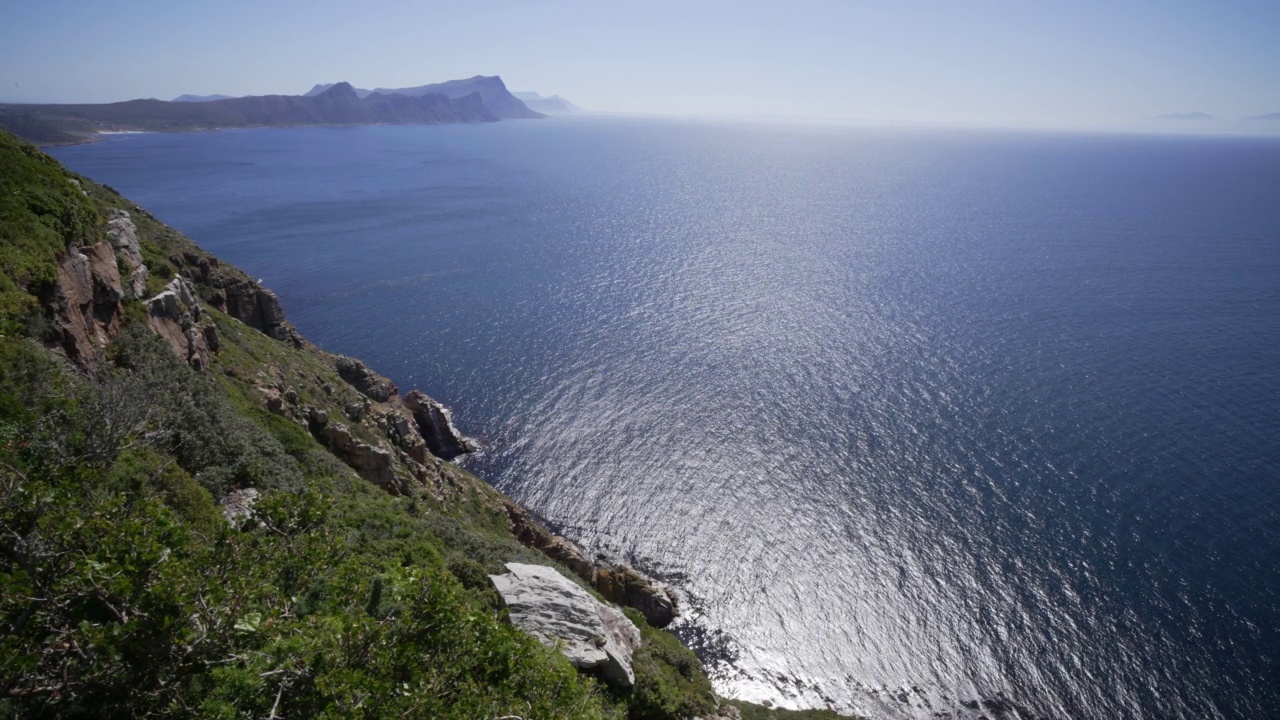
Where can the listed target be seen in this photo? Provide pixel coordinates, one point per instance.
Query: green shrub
(143, 471)
(670, 682)
(218, 446)
(41, 214)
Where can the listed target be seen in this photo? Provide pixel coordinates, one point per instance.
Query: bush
(670, 682)
(219, 448)
(142, 472)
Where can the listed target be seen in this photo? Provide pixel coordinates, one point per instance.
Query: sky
(998, 62)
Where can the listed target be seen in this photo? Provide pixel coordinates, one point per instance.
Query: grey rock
(550, 607)
(172, 313)
(355, 411)
(258, 308)
(374, 464)
(238, 504)
(435, 422)
(211, 338)
(369, 383)
(123, 235)
(403, 433)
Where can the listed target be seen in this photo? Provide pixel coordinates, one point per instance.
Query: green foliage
(145, 472)
(41, 214)
(122, 596)
(201, 428)
(670, 682)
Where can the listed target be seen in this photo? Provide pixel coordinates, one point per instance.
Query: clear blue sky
(973, 61)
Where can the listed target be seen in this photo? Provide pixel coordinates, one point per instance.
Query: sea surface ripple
(922, 423)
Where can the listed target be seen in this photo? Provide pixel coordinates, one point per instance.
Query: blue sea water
(923, 423)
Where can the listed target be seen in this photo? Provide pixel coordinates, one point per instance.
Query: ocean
(921, 422)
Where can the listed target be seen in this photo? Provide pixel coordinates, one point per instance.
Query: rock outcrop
(403, 433)
(622, 584)
(435, 423)
(617, 583)
(549, 606)
(84, 301)
(375, 464)
(238, 504)
(256, 307)
(173, 315)
(369, 383)
(123, 235)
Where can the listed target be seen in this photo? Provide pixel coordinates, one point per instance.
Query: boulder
(211, 338)
(403, 433)
(550, 607)
(238, 504)
(435, 422)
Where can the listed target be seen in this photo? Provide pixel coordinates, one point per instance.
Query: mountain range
(553, 105)
(492, 91)
(475, 100)
(202, 98)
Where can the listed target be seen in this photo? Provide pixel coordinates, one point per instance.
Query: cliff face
(83, 303)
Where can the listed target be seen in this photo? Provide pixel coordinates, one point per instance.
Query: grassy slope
(124, 592)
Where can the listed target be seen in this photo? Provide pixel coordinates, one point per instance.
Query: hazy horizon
(1079, 65)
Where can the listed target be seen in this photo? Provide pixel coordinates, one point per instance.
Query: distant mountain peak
(547, 104)
(321, 88)
(201, 98)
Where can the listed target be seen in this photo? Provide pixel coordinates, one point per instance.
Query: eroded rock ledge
(435, 423)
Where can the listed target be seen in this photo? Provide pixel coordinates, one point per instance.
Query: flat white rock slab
(550, 607)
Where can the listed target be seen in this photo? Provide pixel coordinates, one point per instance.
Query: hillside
(338, 105)
(206, 515)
